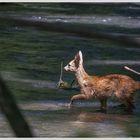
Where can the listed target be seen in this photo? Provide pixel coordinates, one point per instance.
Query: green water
(30, 64)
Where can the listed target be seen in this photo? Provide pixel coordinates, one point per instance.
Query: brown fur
(121, 86)
(102, 87)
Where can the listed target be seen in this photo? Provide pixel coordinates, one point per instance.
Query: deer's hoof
(104, 111)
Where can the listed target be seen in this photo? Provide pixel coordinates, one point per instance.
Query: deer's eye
(69, 65)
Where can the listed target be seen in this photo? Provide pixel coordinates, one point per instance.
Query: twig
(61, 74)
(127, 68)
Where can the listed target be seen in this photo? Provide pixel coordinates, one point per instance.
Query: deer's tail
(138, 86)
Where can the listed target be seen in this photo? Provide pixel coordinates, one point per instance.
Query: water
(55, 119)
(30, 64)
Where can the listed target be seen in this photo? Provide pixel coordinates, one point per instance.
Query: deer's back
(108, 84)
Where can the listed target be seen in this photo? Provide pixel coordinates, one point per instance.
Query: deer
(122, 87)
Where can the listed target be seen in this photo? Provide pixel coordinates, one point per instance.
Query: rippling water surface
(30, 64)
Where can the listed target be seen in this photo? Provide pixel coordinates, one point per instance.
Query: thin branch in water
(61, 83)
(61, 73)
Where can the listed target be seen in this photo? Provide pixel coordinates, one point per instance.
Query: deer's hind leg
(126, 99)
(129, 102)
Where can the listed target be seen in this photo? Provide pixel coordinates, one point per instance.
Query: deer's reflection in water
(90, 114)
(101, 124)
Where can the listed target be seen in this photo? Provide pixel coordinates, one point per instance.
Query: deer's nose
(65, 68)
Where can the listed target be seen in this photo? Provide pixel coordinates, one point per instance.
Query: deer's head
(74, 64)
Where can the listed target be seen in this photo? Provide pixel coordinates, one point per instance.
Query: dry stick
(72, 28)
(12, 112)
(61, 74)
(127, 68)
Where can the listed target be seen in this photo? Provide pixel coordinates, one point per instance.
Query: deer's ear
(78, 59)
(81, 57)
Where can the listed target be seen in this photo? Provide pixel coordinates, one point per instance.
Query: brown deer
(102, 87)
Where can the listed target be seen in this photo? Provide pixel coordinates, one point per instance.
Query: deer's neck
(80, 75)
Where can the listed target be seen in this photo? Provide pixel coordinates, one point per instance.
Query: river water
(30, 64)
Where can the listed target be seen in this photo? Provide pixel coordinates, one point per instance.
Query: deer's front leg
(77, 97)
(103, 105)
